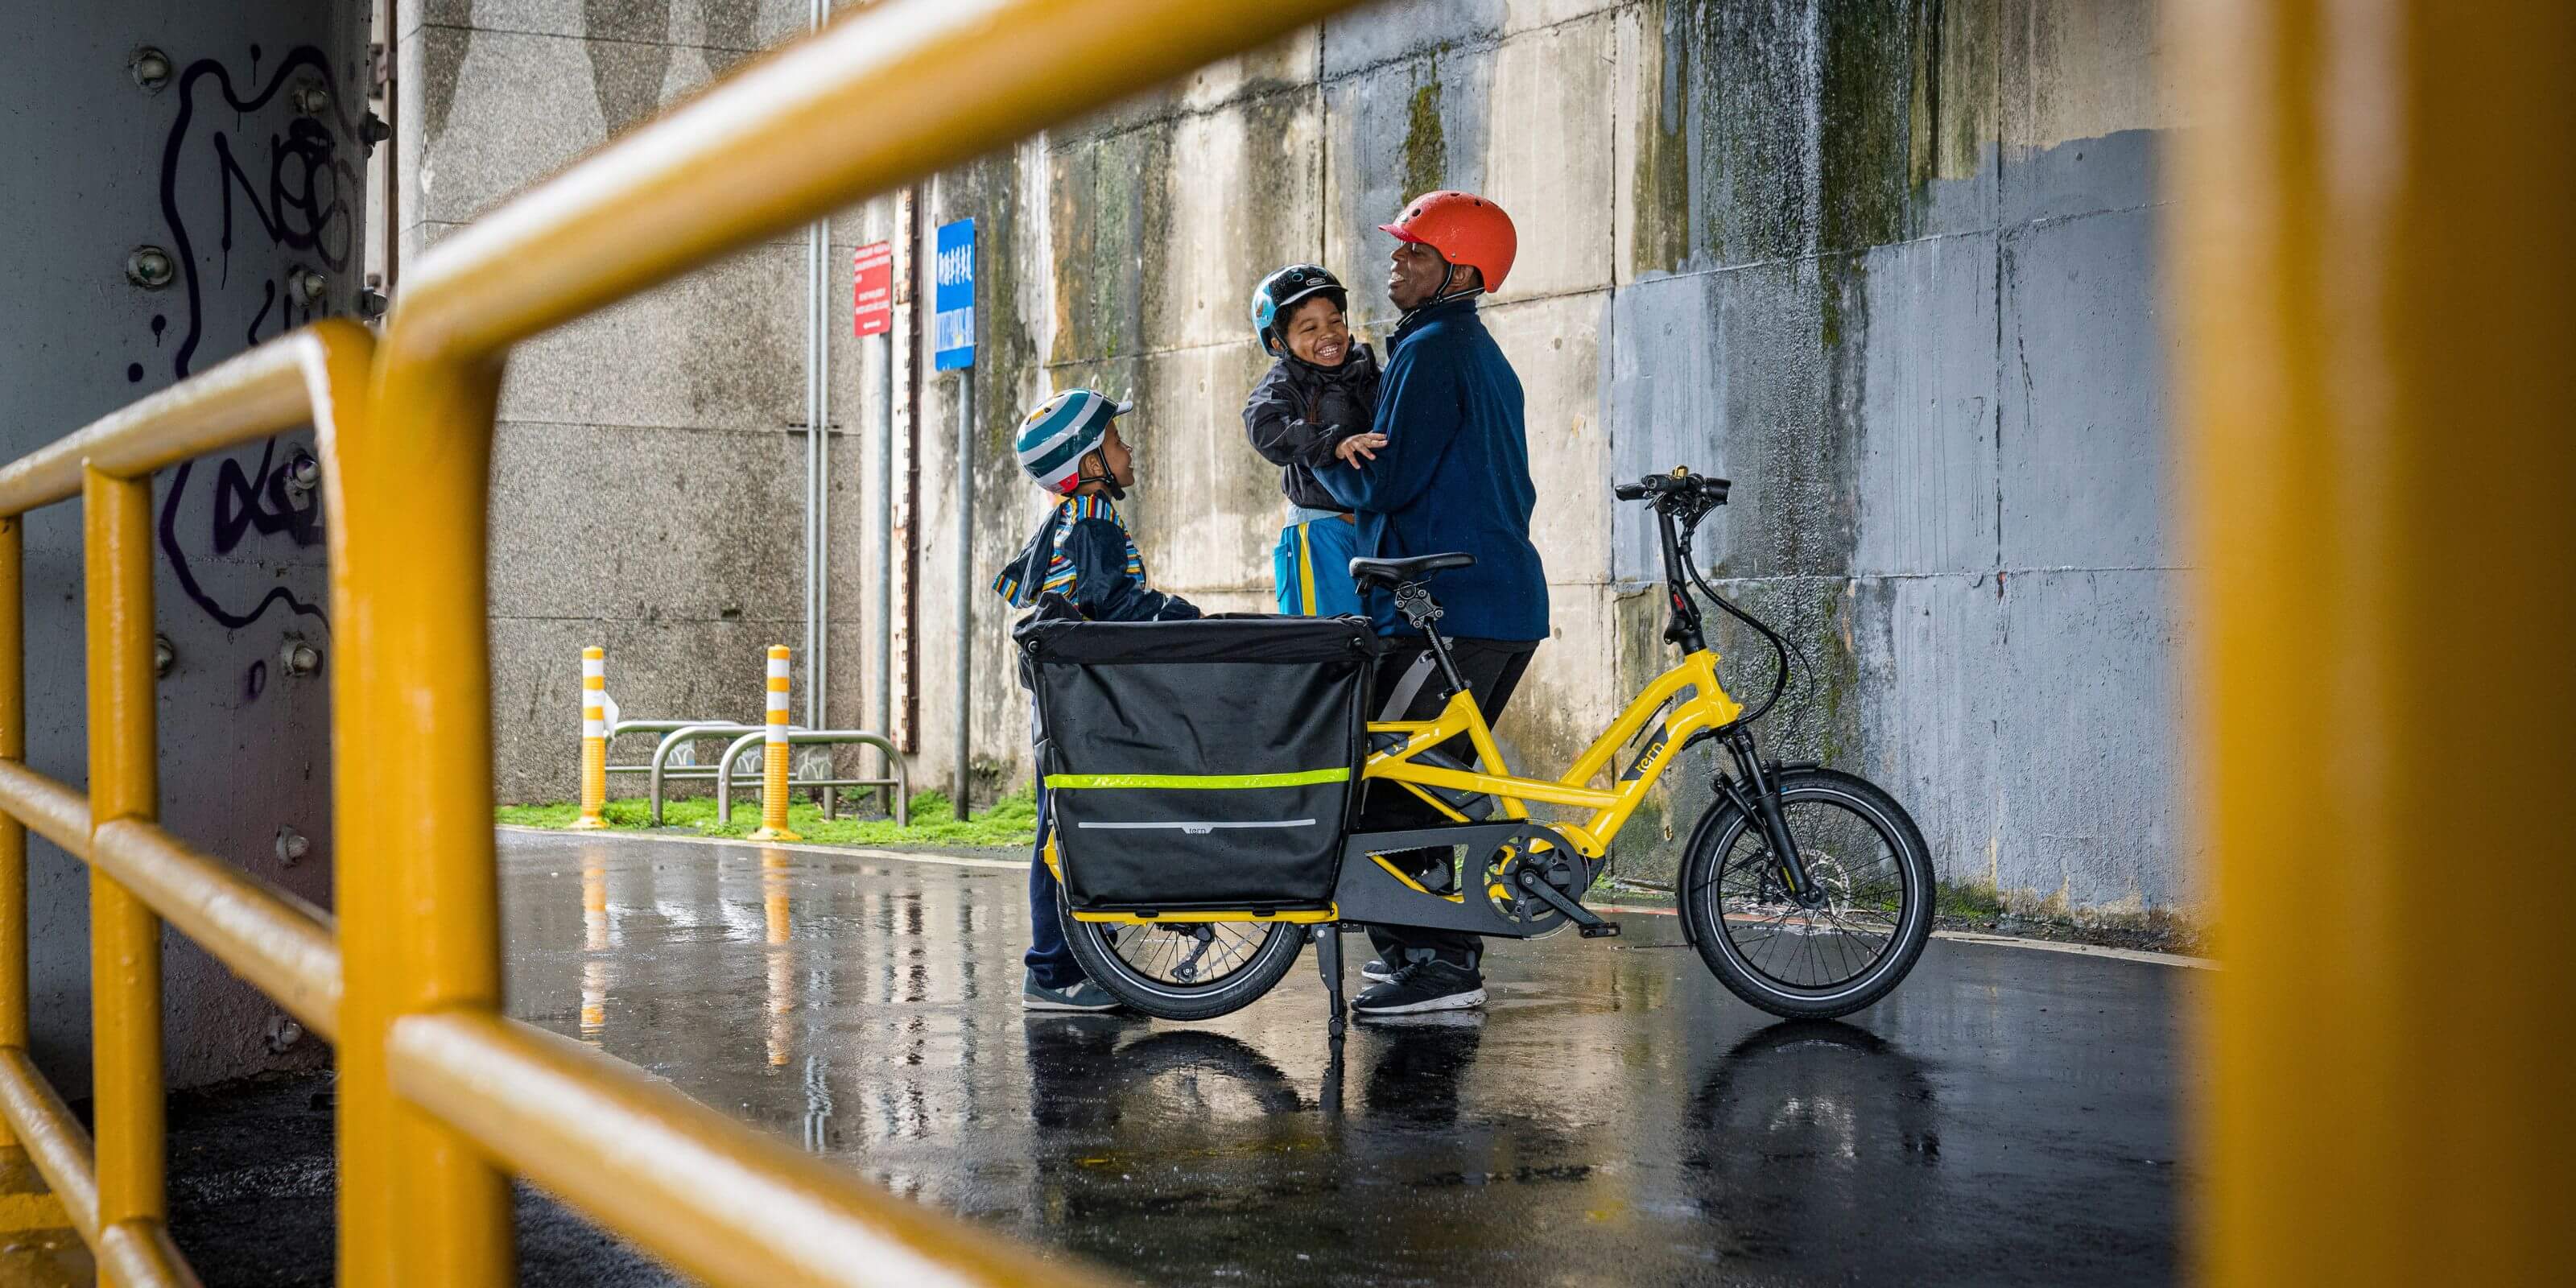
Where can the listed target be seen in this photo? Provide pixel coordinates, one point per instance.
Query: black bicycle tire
(1722, 822)
(1241, 988)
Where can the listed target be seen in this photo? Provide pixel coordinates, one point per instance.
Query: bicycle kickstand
(1328, 961)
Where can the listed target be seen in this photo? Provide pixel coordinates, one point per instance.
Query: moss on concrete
(1663, 179)
(1426, 152)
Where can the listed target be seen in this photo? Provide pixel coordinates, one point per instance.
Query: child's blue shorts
(1312, 568)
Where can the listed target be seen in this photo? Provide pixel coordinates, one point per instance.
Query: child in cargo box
(1070, 446)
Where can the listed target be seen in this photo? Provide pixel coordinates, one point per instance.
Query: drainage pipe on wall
(965, 580)
(818, 450)
(885, 543)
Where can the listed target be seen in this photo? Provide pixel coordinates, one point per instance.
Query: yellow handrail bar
(411, 989)
(135, 1253)
(261, 392)
(876, 100)
(113, 1185)
(52, 1138)
(268, 936)
(58, 813)
(633, 1153)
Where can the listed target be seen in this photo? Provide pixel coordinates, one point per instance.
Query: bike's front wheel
(1845, 941)
(1183, 970)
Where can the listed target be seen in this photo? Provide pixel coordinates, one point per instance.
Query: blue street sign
(952, 298)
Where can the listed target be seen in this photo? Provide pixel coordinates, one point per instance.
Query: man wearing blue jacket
(1453, 476)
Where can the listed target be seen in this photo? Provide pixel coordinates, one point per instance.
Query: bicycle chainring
(1568, 872)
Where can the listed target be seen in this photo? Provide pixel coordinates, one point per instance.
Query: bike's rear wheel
(1183, 970)
(1853, 940)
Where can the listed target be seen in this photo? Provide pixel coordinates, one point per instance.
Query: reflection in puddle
(782, 961)
(595, 941)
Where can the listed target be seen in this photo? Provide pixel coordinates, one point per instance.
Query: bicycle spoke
(1853, 907)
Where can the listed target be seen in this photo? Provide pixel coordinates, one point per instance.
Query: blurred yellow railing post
(125, 936)
(412, 718)
(594, 739)
(13, 834)
(2378, 286)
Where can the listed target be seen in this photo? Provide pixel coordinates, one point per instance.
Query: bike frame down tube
(1708, 707)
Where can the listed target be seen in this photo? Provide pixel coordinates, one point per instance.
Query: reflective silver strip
(1194, 829)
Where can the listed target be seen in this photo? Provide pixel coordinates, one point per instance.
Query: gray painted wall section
(99, 166)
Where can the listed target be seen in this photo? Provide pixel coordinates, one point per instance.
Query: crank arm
(1592, 926)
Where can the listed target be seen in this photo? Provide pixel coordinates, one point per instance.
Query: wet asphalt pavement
(1613, 1117)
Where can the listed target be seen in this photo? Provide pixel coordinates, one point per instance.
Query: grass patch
(1973, 901)
(1011, 822)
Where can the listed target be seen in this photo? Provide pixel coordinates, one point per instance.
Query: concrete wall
(649, 467)
(1890, 266)
(221, 169)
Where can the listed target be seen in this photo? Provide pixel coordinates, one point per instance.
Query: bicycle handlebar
(1680, 486)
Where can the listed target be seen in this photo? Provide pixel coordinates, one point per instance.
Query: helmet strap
(1448, 279)
(1108, 482)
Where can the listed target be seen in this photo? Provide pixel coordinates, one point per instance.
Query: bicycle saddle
(1377, 572)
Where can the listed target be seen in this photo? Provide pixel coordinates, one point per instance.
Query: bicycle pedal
(1603, 930)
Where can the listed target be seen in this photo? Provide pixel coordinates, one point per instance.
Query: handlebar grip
(1629, 491)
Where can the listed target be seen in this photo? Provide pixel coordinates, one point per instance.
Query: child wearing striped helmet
(1084, 553)
(1069, 445)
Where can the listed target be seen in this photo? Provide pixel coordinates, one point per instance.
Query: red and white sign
(872, 304)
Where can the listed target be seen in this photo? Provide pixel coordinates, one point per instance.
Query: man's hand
(1359, 447)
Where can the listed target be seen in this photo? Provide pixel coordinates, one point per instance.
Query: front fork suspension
(1758, 794)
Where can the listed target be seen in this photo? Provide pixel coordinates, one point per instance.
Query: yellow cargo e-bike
(1201, 786)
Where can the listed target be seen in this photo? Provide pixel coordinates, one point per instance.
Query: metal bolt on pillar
(150, 267)
(164, 655)
(151, 68)
(291, 845)
(303, 474)
(300, 658)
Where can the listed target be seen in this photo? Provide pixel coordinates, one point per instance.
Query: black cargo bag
(1198, 764)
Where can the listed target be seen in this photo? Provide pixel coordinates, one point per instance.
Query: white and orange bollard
(594, 739)
(773, 776)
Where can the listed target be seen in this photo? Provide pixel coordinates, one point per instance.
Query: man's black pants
(1492, 670)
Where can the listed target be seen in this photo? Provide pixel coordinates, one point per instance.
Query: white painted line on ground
(1999, 941)
(1015, 865)
(2081, 950)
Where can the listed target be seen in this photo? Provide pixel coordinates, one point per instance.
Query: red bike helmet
(1465, 229)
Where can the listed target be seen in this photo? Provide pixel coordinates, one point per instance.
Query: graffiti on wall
(242, 192)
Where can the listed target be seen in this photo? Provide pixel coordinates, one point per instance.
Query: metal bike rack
(624, 727)
(901, 782)
(661, 771)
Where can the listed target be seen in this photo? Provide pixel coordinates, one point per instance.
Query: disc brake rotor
(1772, 894)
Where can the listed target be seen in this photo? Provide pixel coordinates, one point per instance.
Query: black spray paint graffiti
(300, 207)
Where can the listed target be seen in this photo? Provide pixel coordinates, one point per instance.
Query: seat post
(1417, 606)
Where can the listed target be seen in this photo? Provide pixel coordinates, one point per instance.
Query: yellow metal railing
(441, 1098)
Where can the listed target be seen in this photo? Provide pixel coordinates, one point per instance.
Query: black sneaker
(1432, 985)
(1377, 971)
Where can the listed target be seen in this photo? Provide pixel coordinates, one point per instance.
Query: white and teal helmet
(1061, 431)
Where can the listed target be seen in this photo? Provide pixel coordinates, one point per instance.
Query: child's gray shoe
(1082, 995)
